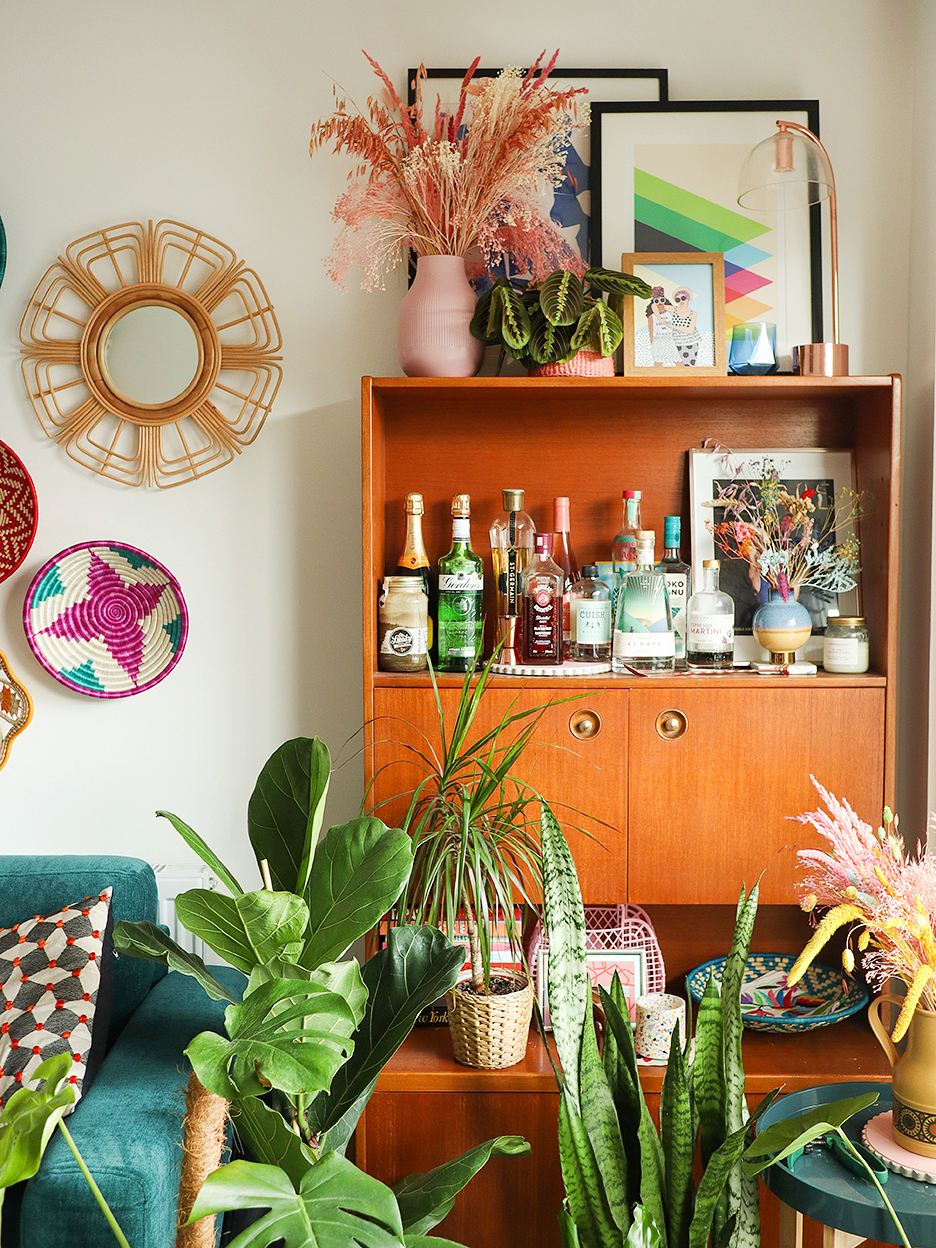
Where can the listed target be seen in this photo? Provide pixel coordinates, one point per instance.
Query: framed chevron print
(665, 179)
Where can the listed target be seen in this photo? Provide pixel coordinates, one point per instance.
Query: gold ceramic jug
(914, 1077)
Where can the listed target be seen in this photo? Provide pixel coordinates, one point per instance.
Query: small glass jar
(403, 625)
(845, 645)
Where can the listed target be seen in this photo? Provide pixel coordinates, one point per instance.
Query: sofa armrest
(128, 1128)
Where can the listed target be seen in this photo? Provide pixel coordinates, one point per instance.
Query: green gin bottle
(461, 596)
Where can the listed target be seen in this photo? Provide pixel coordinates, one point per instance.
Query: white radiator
(171, 880)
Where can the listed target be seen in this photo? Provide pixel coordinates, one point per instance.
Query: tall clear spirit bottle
(643, 623)
(624, 546)
(710, 633)
(564, 556)
(542, 606)
(678, 583)
(461, 596)
(512, 534)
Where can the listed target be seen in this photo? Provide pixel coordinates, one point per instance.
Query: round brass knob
(671, 724)
(585, 724)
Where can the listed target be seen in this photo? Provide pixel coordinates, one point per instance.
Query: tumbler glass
(752, 350)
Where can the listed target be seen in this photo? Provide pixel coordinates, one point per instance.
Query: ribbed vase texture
(433, 338)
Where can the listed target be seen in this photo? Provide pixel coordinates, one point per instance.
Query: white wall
(200, 110)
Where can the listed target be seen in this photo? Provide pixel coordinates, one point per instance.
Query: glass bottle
(413, 560)
(512, 534)
(402, 625)
(678, 586)
(643, 624)
(564, 556)
(590, 617)
(710, 631)
(542, 606)
(624, 546)
(461, 596)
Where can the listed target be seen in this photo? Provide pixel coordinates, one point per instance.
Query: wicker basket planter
(491, 1031)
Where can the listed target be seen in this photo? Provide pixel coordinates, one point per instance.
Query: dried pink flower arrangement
(868, 879)
(465, 182)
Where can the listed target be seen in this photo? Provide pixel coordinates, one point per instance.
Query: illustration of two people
(674, 338)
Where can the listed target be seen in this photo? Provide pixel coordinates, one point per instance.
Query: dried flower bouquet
(458, 183)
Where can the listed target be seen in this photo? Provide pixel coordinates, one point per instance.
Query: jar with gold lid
(403, 625)
(845, 645)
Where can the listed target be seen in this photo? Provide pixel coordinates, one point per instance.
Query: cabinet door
(577, 761)
(709, 809)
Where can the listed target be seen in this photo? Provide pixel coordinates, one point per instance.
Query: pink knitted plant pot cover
(584, 364)
(433, 338)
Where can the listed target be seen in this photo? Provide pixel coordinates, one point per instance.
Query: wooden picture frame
(682, 325)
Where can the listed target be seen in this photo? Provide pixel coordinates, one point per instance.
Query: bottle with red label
(543, 593)
(564, 556)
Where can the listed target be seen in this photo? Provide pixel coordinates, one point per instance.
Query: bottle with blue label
(678, 583)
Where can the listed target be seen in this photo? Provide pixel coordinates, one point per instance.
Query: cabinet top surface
(681, 381)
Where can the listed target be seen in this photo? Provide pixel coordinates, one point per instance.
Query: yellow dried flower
(851, 892)
(915, 991)
(809, 903)
(848, 960)
(864, 940)
(830, 923)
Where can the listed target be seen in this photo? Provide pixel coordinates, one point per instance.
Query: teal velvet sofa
(128, 1127)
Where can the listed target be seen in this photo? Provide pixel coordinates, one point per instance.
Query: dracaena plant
(624, 1182)
(308, 1038)
(549, 322)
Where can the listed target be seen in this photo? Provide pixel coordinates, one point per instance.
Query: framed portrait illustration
(664, 177)
(682, 324)
(569, 204)
(825, 471)
(630, 965)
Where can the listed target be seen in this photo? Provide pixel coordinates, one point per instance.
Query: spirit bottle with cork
(413, 560)
(624, 546)
(710, 631)
(542, 606)
(590, 618)
(564, 556)
(511, 536)
(643, 623)
(461, 594)
(678, 583)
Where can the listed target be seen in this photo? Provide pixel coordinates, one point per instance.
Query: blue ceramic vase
(781, 627)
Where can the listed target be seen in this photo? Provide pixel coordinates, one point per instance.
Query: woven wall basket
(491, 1032)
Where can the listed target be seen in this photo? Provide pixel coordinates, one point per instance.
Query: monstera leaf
(29, 1118)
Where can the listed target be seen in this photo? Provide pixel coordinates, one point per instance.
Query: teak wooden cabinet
(682, 821)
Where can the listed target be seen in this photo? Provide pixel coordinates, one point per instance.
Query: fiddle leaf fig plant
(551, 321)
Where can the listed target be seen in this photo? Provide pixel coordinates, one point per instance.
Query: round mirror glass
(151, 354)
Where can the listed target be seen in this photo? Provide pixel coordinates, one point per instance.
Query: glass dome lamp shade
(791, 169)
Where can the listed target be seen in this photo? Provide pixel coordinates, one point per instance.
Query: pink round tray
(879, 1136)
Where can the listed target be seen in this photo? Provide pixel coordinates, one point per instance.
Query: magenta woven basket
(106, 619)
(609, 928)
(19, 511)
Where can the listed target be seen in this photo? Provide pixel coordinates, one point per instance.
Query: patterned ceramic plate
(19, 513)
(105, 619)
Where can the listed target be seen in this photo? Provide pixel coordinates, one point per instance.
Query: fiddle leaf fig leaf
(247, 930)
(146, 940)
(425, 1199)
(561, 297)
(205, 853)
(284, 814)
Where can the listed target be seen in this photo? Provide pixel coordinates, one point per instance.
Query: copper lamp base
(821, 359)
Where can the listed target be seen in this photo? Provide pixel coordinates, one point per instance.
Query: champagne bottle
(461, 596)
(413, 560)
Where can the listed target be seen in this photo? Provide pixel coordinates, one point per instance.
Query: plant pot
(433, 335)
(914, 1077)
(781, 627)
(582, 364)
(491, 1031)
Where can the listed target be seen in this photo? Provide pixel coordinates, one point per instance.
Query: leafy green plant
(551, 321)
(307, 1041)
(624, 1182)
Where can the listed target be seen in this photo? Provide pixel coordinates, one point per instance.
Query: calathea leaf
(612, 281)
(599, 329)
(514, 318)
(284, 814)
(425, 1199)
(561, 296)
(548, 343)
(146, 940)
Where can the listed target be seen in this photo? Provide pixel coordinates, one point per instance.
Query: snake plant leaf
(285, 1034)
(336, 1205)
(645, 1231)
(548, 343)
(620, 1056)
(358, 872)
(599, 329)
(723, 1161)
(146, 940)
(562, 297)
(708, 1084)
(742, 1188)
(600, 1119)
(782, 1138)
(425, 1199)
(29, 1118)
(270, 1139)
(205, 853)
(568, 1231)
(677, 1138)
(582, 1180)
(514, 318)
(612, 281)
(416, 967)
(284, 814)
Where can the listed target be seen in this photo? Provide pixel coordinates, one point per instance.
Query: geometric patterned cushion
(55, 992)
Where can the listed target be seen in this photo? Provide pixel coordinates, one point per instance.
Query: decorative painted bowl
(767, 1004)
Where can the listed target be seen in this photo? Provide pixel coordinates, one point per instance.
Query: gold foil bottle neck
(414, 504)
(513, 500)
(461, 506)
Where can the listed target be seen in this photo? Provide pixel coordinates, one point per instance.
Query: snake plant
(625, 1183)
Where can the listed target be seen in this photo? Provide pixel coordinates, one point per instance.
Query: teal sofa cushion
(128, 1129)
(39, 884)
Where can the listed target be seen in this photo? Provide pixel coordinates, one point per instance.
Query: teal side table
(820, 1188)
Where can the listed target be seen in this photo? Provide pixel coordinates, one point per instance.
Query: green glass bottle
(461, 596)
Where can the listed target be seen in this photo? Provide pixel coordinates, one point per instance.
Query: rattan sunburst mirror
(151, 353)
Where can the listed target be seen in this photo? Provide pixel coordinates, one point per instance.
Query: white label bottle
(710, 627)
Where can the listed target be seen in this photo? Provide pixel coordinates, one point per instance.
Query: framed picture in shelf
(664, 177)
(825, 471)
(569, 204)
(682, 324)
(630, 965)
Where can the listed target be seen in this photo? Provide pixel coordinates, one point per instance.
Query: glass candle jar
(403, 625)
(845, 645)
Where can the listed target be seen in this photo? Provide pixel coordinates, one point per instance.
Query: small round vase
(433, 338)
(582, 364)
(914, 1077)
(781, 627)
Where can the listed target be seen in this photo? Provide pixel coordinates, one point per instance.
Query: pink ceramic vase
(433, 338)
